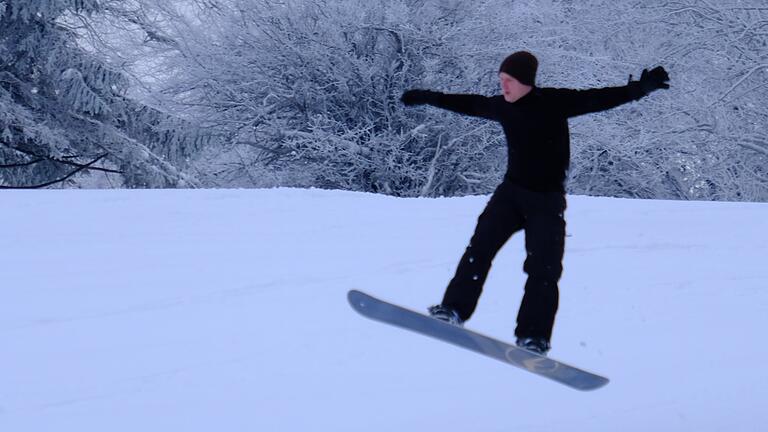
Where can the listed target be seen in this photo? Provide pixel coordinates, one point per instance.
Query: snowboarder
(532, 195)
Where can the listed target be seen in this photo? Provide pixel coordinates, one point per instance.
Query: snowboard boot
(446, 314)
(536, 345)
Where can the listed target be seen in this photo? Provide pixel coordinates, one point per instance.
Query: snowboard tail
(385, 312)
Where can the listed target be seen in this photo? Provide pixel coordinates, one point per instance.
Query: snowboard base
(385, 312)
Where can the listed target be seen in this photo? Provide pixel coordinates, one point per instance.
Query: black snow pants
(513, 208)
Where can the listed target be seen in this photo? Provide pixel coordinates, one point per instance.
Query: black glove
(417, 97)
(651, 81)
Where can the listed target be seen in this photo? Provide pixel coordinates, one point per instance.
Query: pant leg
(500, 219)
(545, 242)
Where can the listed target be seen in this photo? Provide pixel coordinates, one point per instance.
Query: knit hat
(522, 65)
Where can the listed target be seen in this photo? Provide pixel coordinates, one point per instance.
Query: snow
(203, 310)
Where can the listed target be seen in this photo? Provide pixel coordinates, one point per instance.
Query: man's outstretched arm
(578, 102)
(468, 104)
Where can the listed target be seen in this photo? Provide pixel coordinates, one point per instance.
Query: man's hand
(655, 79)
(417, 97)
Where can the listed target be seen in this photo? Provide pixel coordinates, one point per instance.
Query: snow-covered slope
(226, 310)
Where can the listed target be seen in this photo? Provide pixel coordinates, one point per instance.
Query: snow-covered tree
(703, 139)
(63, 109)
(306, 93)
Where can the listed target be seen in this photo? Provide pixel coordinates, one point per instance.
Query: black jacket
(536, 126)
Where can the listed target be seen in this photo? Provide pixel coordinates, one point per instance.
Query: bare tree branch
(66, 177)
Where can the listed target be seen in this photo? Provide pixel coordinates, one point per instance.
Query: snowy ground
(226, 311)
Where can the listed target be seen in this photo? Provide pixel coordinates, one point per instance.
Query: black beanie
(522, 65)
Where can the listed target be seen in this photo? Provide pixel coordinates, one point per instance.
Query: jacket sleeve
(574, 103)
(469, 104)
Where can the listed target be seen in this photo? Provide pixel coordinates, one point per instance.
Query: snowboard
(385, 312)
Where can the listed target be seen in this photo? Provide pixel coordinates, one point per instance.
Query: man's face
(512, 88)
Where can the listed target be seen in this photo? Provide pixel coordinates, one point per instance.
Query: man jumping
(532, 195)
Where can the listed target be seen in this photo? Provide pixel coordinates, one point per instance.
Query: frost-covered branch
(50, 85)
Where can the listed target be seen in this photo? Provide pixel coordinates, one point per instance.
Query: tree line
(260, 93)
